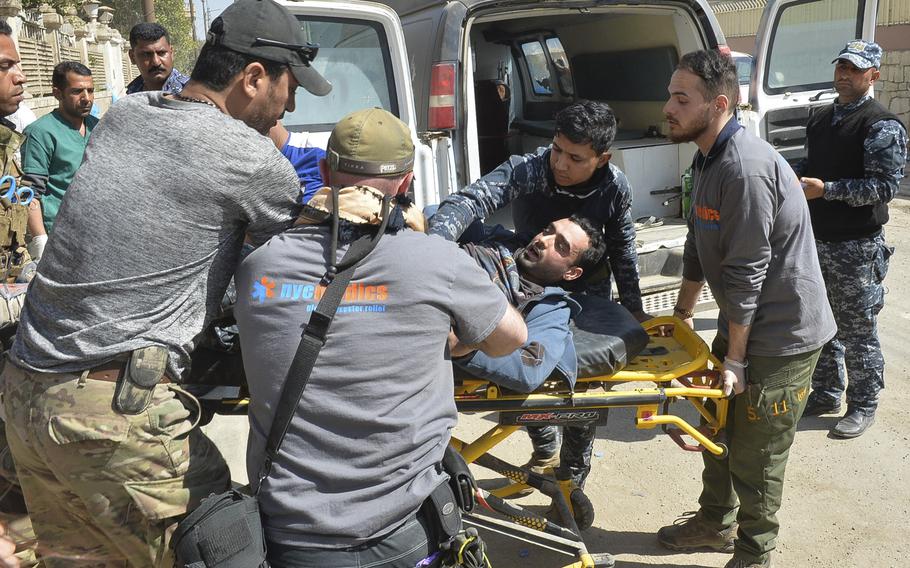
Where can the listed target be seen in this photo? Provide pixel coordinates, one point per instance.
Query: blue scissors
(23, 195)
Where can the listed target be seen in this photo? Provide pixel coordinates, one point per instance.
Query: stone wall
(893, 88)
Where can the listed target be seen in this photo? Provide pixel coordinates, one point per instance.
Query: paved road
(845, 502)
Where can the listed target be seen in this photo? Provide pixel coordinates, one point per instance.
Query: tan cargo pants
(103, 488)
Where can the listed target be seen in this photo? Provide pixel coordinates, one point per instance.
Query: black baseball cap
(265, 29)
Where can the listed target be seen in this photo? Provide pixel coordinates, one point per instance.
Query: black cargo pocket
(880, 262)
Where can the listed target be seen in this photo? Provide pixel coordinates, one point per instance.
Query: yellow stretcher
(676, 366)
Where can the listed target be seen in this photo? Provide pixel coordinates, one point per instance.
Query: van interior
(528, 65)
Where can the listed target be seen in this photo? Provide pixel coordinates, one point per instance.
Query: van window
(807, 37)
(561, 62)
(353, 56)
(743, 69)
(537, 67)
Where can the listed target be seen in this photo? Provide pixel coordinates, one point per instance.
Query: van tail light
(442, 97)
(724, 49)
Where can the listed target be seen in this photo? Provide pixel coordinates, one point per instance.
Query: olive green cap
(371, 142)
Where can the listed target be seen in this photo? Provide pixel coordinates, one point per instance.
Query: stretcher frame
(677, 365)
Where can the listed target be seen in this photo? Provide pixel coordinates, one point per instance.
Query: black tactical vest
(836, 152)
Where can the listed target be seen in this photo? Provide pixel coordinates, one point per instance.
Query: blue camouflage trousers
(853, 273)
(575, 446)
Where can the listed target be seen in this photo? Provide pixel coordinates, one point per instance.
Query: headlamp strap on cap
(361, 167)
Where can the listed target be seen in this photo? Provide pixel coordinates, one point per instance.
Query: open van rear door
(794, 46)
(362, 53)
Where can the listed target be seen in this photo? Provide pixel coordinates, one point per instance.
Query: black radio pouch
(134, 389)
(441, 509)
(460, 479)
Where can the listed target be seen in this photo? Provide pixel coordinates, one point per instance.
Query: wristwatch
(682, 312)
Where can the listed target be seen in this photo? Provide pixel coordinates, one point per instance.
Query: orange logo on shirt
(706, 213)
(707, 218)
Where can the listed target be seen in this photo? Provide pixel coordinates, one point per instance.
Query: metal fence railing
(96, 64)
(40, 49)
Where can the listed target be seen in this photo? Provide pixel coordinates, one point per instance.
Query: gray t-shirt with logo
(149, 234)
(360, 456)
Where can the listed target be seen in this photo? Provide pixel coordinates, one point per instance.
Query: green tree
(172, 15)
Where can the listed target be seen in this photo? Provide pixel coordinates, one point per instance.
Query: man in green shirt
(55, 144)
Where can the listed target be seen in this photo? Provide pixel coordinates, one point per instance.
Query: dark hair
(217, 65)
(591, 256)
(148, 31)
(58, 78)
(588, 122)
(717, 72)
(5, 29)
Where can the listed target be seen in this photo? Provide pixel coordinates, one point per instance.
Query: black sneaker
(854, 423)
(818, 405)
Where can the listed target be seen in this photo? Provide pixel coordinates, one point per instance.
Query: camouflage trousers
(575, 446)
(13, 513)
(103, 488)
(853, 273)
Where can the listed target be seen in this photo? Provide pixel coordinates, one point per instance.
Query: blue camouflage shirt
(885, 153)
(174, 83)
(538, 201)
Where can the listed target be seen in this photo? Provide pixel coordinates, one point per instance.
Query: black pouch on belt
(460, 479)
(134, 389)
(441, 509)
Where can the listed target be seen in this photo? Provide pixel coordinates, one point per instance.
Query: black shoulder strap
(312, 340)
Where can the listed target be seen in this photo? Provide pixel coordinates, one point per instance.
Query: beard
(263, 116)
(522, 260)
(261, 121)
(694, 130)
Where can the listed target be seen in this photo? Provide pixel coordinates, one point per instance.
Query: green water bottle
(686, 193)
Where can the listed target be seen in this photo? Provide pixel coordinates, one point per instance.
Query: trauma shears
(21, 195)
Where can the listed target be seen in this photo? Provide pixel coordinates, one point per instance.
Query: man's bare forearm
(688, 294)
(510, 334)
(738, 341)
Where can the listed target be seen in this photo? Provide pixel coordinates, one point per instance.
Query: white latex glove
(734, 376)
(36, 246)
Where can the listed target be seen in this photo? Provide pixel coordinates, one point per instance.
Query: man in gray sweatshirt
(750, 238)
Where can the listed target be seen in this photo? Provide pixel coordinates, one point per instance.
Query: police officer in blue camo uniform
(571, 176)
(856, 156)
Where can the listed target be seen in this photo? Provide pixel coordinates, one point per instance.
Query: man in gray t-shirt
(750, 240)
(363, 451)
(105, 445)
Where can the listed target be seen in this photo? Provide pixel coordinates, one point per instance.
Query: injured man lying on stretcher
(534, 278)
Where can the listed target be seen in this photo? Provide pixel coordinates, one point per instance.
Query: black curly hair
(597, 245)
(588, 122)
(717, 72)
